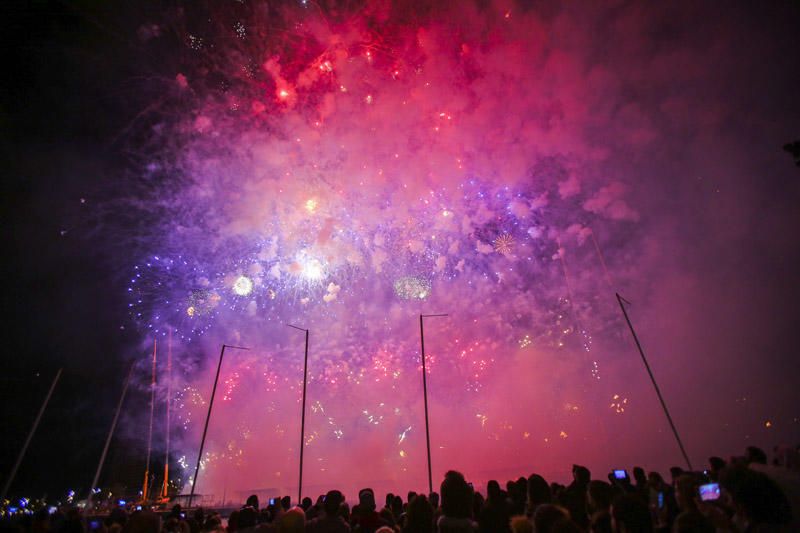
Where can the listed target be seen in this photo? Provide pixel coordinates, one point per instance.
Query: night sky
(208, 172)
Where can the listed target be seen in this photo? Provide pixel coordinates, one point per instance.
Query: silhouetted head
(599, 495)
(420, 514)
(306, 503)
(247, 517)
(546, 515)
(756, 497)
(293, 521)
(456, 495)
(754, 454)
(581, 474)
(493, 491)
(397, 506)
(252, 501)
(686, 491)
(333, 500)
(538, 491)
(366, 500)
(655, 480)
(434, 499)
(716, 464)
(639, 475)
(477, 503)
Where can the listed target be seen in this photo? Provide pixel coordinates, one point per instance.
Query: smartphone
(273, 501)
(660, 500)
(94, 525)
(709, 492)
(620, 474)
(183, 515)
(138, 507)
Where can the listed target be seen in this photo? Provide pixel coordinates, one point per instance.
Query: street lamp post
(425, 396)
(302, 416)
(208, 417)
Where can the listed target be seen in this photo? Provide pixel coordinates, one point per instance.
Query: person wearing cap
(365, 518)
(330, 521)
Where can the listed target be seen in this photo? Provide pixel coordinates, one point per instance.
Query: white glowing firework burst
(242, 286)
(412, 288)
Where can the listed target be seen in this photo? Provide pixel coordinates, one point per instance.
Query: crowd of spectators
(743, 494)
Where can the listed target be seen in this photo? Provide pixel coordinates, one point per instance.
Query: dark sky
(73, 86)
(62, 98)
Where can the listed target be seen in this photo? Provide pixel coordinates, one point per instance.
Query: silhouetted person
(598, 503)
(433, 498)
(247, 520)
(397, 507)
(675, 472)
(640, 485)
(754, 454)
(494, 516)
(574, 497)
(419, 516)
(365, 519)
(456, 505)
(758, 502)
(330, 521)
(716, 464)
(538, 493)
(689, 518)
